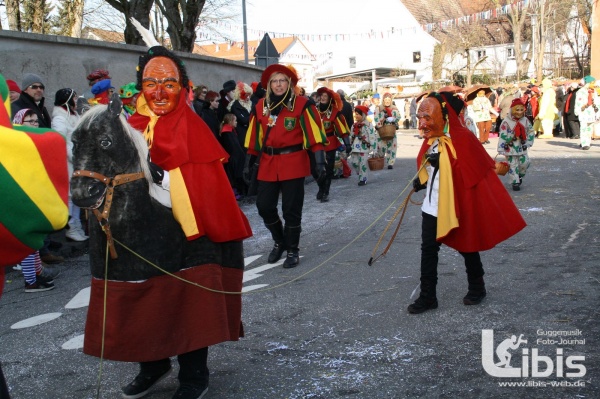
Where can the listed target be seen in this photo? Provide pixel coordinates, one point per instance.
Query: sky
(295, 17)
(322, 17)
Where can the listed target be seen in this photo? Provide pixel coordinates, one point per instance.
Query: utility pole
(595, 45)
(245, 32)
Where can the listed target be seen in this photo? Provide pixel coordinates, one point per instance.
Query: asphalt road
(335, 327)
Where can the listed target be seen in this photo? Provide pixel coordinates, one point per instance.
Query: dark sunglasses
(37, 87)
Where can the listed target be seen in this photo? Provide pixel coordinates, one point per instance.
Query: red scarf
(388, 110)
(519, 132)
(356, 128)
(568, 101)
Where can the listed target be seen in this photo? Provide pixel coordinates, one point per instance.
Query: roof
(103, 35)
(430, 11)
(367, 74)
(235, 51)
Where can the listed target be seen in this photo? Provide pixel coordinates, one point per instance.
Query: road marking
(250, 259)
(74, 343)
(80, 300)
(253, 287)
(35, 320)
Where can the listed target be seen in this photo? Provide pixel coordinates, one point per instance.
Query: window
(480, 54)
(352, 62)
(510, 53)
(417, 56)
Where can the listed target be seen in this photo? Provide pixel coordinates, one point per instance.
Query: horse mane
(135, 135)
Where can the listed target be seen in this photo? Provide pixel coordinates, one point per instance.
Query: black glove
(434, 159)
(320, 165)
(418, 186)
(246, 173)
(347, 144)
(157, 172)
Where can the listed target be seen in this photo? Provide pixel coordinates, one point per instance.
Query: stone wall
(65, 62)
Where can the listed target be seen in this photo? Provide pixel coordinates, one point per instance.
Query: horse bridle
(111, 183)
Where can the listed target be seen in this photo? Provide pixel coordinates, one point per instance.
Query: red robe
(486, 212)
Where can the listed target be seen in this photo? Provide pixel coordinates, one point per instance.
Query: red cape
(486, 212)
(182, 140)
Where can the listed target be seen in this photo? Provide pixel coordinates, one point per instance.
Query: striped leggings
(31, 267)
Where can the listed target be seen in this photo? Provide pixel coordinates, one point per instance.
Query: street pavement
(335, 327)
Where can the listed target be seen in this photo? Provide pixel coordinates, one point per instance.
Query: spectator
(14, 90)
(226, 97)
(570, 120)
(209, 112)
(235, 165)
(199, 98)
(64, 121)
(413, 113)
(102, 91)
(32, 97)
(241, 106)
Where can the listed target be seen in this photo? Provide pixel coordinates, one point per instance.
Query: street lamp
(245, 31)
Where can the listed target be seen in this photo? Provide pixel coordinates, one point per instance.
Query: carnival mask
(431, 119)
(160, 85)
(518, 111)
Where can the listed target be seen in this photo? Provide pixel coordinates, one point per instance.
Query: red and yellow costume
(159, 316)
(475, 211)
(299, 126)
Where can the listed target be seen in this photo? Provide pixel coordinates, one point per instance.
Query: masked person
(159, 316)
(282, 126)
(364, 140)
(515, 136)
(462, 201)
(387, 114)
(330, 108)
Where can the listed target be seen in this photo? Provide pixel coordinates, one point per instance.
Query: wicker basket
(376, 163)
(502, 167)
(387, 132)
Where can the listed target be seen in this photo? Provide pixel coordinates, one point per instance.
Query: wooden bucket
(387, 132)
(376, 163)
(502, 167)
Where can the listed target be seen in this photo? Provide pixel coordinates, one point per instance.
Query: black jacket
(26, 101)
(209, 116)
(347, 112)
(243, 120)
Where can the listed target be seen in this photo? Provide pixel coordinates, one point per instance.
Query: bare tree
(182, 17)
(138, 9)
(13, 12)
(69, 20)
(517, 18)
(35, 16)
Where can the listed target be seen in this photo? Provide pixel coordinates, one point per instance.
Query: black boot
(326, 186)
(150, 374)
(426, 300)
(320, 193)
(292, 240)
(476, 292)
(276, 230)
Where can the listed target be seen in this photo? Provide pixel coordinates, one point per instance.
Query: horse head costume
(150, 314)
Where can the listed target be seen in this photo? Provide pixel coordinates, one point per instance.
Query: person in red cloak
(463, 199)
(167, 317)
